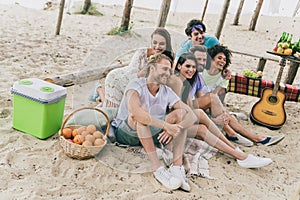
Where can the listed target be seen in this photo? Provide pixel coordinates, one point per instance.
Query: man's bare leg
(146, 139)
(202, 133)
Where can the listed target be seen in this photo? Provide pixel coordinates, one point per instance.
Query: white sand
(38, 169)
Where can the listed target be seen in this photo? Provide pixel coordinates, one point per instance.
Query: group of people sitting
(163, 98)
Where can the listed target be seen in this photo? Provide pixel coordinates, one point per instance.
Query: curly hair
(213, 51)
(191, 24)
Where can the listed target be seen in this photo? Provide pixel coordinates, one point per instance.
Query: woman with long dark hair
(186, 73)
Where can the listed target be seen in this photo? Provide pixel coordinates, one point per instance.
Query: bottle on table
(289, 41)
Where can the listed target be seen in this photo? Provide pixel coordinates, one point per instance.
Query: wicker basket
(78, 151)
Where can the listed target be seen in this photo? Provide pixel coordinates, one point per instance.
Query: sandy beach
(31, 168)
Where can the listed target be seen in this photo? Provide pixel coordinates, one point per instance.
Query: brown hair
(155, 58)
(200, 48)
(164, 33)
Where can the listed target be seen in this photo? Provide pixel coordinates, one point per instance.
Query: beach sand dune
(38, 169)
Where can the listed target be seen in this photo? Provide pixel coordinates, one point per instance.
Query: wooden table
(294, 65)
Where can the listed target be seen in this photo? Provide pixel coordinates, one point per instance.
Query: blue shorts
(128, 136)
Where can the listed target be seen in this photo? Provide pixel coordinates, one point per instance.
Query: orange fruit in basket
(67, 133)
(84, 133)
(99, 142)
(81, 129)
(90, 138)
(75, 132)
(91, 128)
(97, 134)
(87, 143)
(78, 139)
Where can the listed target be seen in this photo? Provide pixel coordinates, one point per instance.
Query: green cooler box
(38, 107)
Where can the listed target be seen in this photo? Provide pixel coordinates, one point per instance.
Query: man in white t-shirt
(142, 119)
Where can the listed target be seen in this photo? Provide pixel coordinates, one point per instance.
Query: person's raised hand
(164, 137)
(172, 129)
(226, 74)
(222, 119)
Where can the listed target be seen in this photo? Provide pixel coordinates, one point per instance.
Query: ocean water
(270, 7)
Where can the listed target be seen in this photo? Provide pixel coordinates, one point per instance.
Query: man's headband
(197, 27)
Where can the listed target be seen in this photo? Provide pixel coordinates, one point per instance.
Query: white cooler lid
(39, 90)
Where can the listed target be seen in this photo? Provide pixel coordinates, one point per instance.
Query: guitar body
(269, 110)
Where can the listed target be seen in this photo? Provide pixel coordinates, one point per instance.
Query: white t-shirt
(155, 105)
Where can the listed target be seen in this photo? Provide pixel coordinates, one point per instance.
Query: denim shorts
(128, 136)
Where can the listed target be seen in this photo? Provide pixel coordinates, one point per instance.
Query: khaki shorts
(128, 136)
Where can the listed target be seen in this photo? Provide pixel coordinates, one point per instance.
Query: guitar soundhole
(273, 99)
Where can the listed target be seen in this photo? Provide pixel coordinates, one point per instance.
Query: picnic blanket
(244, 85)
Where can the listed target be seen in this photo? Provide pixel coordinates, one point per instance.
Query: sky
(270, 7)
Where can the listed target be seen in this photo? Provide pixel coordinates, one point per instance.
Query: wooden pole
(222, 18)
(86, 6)
(204, 10)
(297, 8)
(126, 15)
(60, 16)
(164, 11)
(238, 13)
(255, 15)
(291, 74)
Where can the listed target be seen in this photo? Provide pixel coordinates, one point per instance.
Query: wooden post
(126, 15)
(291, 72)
(255, 15)
(297, 8)
(86, 6)
(222, 18)
(204, 10)
(238, 13)
(60, 16)
(261, 64)
(164, 11)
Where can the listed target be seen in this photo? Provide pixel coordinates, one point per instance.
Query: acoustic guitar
(269, 110)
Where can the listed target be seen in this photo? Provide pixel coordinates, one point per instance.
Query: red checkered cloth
(253, 87)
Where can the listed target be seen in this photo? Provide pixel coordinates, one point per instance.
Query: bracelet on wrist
(163, 127)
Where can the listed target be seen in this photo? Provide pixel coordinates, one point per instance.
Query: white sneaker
(239, 150)
(270, 140)
(241, 140)
(230, 156)
(254, 162)
(167, 179)
(180, 173)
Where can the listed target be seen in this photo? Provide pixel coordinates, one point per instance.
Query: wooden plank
(80, 77)
(251, 54)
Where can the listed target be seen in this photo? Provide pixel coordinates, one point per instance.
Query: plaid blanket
(253, 87)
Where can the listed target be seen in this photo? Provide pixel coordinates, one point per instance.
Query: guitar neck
(282, 65)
